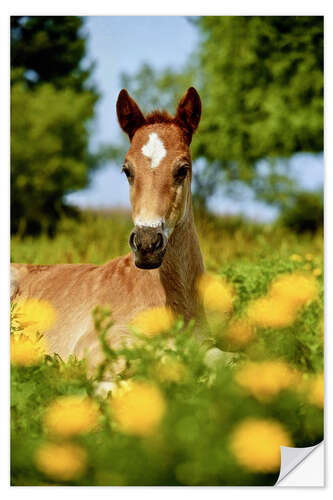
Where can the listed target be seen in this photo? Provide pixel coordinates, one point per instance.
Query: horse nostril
(133, 240)
(147, 240)
(159, 241)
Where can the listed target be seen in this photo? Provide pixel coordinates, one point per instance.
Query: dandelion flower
(296, 258)
(25, 351)
(309, 256)
(268, 312)
(240, 333)
(296, 289)
(316, 272)
(138, 410)
(266, 379)
(215, 294)
(316, 391)
(72, 415)
(287, 294)
(255, 443)
(35, 315)
(170, 370)
(154, 321)
(61, 462)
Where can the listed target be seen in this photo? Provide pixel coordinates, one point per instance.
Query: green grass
(191, 446)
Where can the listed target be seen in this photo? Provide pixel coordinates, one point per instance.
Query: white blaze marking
(147, 222)
(154, 149)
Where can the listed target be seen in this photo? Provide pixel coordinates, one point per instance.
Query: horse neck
(182, 265)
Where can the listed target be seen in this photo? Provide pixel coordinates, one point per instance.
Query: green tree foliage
(261, 83)
(52, 103)
(156, 90)
(50, 49)
(49, 152)
(263, 89)
(304, 213)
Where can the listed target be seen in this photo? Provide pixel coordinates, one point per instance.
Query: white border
(142, 7)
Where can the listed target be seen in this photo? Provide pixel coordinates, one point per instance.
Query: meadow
(180, 414)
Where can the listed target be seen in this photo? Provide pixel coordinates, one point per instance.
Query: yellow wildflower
(35, 315)
(287, 294)
(269, 312)
(170, 370)
(154, 321)
(215, 293)
(316, 272)
(139, 409)
(26, 351)
(240, 333)
(296, 289)
(307, 267)
(296, 258)
(72, 415)
(256, 443)
(316, 391)
(266, 379)
(61, 462)
(309, 256)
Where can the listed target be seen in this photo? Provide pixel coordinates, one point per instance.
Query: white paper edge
(291, 460)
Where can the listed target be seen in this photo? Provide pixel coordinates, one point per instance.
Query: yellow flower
(170, 370)
(215, 293)
(240, 333)
(287, 294)
(266, 379)
(316, 391)
(309, 256)
(154, 321)
(61, 462)
(296, 258)
(139, 409)
(316, 272)
(26, 351)
(72, 415)
(271, 312)
(256, 443)
(35, 315)
(296, 289)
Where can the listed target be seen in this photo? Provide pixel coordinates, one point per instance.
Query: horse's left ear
(189, 112)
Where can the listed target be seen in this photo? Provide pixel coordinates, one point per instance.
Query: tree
(52, 103)
(261, 83)
(50, 49)
(305, 213)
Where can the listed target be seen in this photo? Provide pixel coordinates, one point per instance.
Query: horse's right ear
(129, 114)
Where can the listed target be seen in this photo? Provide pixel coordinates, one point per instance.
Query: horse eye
(128, 173)
(181, 173)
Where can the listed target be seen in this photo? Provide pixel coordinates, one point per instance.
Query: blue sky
(122, 44)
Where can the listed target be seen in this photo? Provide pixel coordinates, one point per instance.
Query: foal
(165, 261)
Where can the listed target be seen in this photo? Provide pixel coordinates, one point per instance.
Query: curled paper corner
(292, 457)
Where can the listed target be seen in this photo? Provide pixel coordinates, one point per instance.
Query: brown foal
(165, 261)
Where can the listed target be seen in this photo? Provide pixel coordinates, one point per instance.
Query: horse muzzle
(149, 245)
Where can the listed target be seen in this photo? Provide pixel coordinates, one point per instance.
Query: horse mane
(164, 117)
(157, 116)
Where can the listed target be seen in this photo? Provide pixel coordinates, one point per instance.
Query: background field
(98, 236)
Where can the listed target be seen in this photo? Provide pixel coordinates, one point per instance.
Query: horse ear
(189, 112)
(129, 114)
